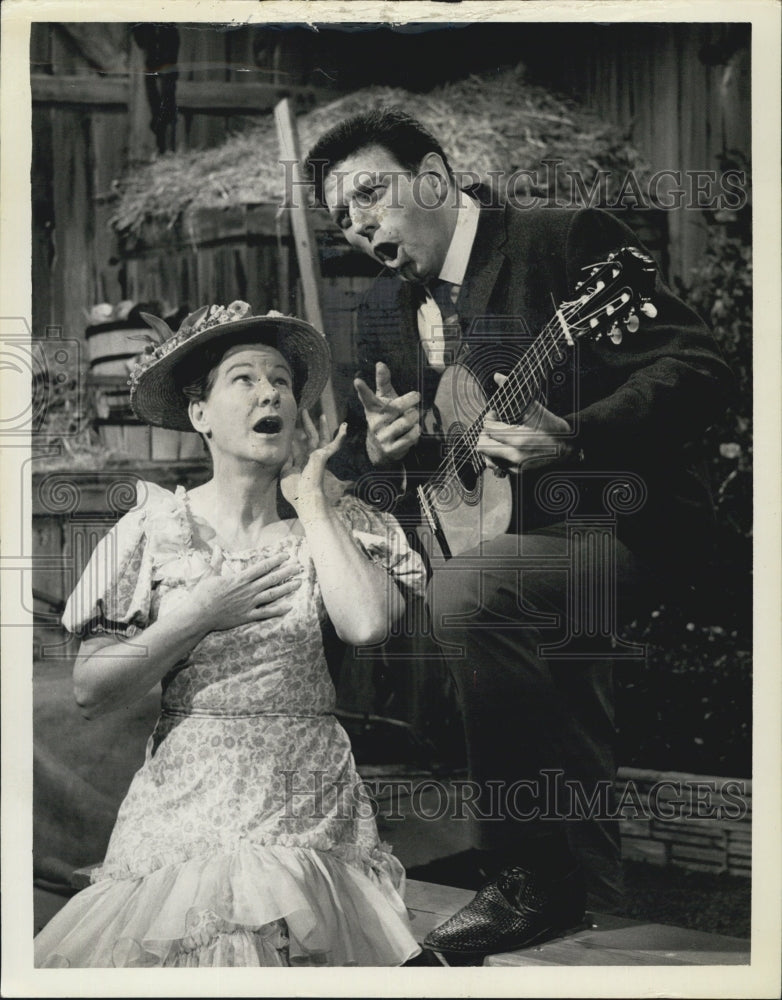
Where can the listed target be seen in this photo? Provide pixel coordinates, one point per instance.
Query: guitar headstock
(613, 292)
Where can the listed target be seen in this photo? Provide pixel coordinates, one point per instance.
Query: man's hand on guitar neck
(393, 421)
(540, 438)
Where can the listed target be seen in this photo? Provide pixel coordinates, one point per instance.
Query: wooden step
(604, 940)
(429, 905)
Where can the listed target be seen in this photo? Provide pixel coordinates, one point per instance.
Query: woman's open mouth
(268, 425)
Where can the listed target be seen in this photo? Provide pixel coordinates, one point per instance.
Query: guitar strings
(507, 397)
(464, 449)
(506, 407)
(506, 401)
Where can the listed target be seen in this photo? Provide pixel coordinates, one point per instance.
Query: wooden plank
(654, 937)
(635, 827)
(142, 145)
(40, 46)
(429, 905)
(569, 953)
(71, 272)
(213, 97)
(205, 275)
(42, 194)
(304, 237)
(240, 61)
(603, 940)
(201, 64)
(620, 941)
(681, 835)
(92, 90)
(108, 135)
(637, 849)
(695, 852)
(706, 826)
(48, 563)
(429, 897)
(248, 98)
(257, 274)
(202, 225)
(100, 44)
(215, 225)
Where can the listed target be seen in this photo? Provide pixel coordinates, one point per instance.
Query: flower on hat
(198, 321)
(215, 315)
(156, 396)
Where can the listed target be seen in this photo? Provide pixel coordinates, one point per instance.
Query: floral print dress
(246, 838)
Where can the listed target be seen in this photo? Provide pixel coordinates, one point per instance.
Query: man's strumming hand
(539, 438)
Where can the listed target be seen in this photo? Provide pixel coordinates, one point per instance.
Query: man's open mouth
(268, 425)
(386, 253)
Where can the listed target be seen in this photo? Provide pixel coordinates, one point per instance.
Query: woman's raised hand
(301, 479)
(257, 593)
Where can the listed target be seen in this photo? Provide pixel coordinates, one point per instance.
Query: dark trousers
(537, 725)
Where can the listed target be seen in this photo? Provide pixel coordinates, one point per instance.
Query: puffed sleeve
(114, 593)
(382, 540)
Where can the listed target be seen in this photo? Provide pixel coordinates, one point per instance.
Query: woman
(245, 838)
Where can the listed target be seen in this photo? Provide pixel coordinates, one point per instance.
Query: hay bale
(488, 122)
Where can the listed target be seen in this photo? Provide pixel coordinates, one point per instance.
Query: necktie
(438, 324)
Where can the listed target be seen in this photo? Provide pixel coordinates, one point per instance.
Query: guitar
(461, 505)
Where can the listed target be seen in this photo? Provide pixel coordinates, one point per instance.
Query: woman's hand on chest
(254, 594)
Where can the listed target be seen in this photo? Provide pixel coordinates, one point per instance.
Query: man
(480, 274)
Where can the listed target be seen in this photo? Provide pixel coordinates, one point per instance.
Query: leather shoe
(517, 909)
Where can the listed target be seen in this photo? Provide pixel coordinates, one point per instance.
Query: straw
(489, 122)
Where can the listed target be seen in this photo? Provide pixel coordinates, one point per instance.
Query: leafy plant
(688, 707)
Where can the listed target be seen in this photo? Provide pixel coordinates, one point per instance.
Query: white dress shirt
(430, 318)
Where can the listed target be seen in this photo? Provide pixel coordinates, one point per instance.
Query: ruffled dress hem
(256, 906)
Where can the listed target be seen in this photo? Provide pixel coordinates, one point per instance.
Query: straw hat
(166, 365)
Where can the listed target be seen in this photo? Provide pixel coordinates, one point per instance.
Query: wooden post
(304, 238)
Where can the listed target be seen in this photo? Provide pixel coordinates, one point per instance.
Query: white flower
(239, 309)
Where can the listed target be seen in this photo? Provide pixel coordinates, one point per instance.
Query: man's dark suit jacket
(636, 407)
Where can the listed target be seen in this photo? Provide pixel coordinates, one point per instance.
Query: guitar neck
(607, 301)
(520, 388)
(524, 382)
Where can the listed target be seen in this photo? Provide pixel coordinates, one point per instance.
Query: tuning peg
(615, 334)
(649, 309)
(632, 322)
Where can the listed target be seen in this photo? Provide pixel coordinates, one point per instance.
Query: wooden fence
(91, 120)
(683, 97)
(682, 92)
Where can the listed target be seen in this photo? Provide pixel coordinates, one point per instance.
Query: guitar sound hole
(468, 477)
(464, 480)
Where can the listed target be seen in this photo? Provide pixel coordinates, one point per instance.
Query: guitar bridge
(433, 522)
(426, 509)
